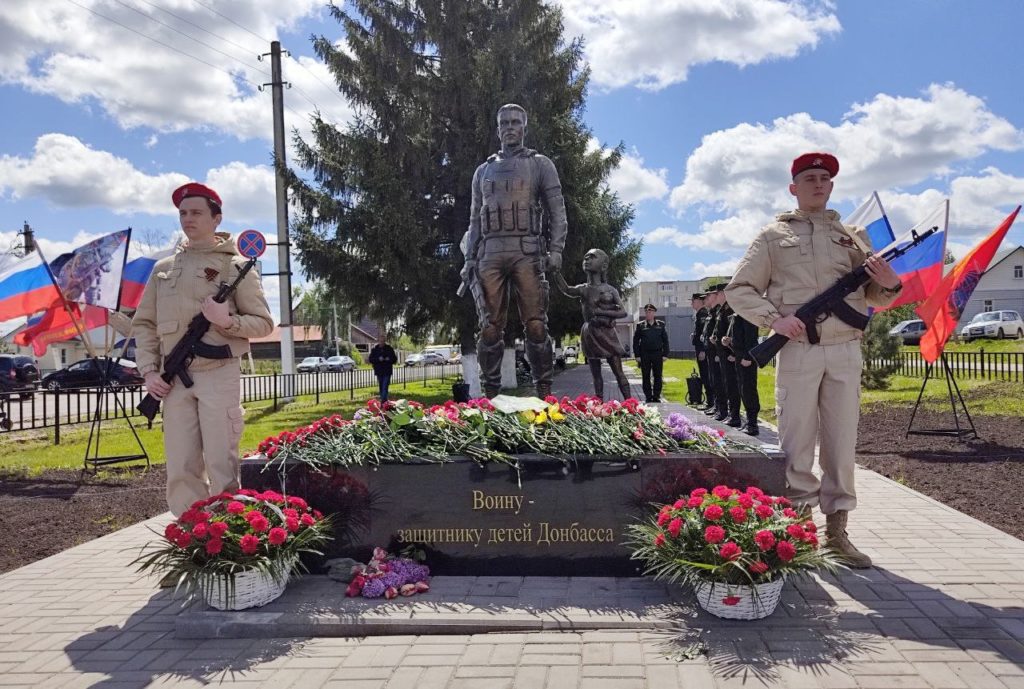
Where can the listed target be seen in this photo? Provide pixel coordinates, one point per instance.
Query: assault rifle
(830, 303)
(191, 345)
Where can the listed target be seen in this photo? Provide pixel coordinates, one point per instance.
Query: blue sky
(919, 99)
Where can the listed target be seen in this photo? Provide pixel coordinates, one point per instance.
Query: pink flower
(738, 514)
(765, 539)
(694, 502)
(785, 550)
(730, 600)
(674, 526)
(277, 536)
(214, 546)
(722, 492)
(218, 529)
(763, 511)
(200, 530)
(257, 521)
(235, 507)
(183, 539)
(759, 567)
(730, 551)
(796, 531)
(790, 512)
(811, 539)
(745, 501)
(810, 526)
(678, 504)
(659, 540)
(664, 515)
(249, 544)
(713, 513)
(292, 523)
(714, 534)
(307, 520)
(698, 492)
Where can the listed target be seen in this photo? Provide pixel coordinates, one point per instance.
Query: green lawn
(34, 451)
(977, 346)
(982, 397)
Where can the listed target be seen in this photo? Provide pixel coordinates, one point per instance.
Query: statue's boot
(489, 357)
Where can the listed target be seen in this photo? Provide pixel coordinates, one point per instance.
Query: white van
(447, 351)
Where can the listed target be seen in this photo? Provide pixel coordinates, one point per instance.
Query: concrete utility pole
(29, 239)
(283, 245)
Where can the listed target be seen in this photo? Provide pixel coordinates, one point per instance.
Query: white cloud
(721, 268)
(662, 273)
(73, 53)
(654, 44)
(68, 173)
(742, 173)
(634, 183)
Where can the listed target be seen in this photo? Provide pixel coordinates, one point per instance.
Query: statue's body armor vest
(508, 192)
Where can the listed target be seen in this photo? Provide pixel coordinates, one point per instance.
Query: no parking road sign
(252, 243)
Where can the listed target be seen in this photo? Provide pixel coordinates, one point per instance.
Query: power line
(191, 38)
(158, 41)
(224, 16)
(201, 28)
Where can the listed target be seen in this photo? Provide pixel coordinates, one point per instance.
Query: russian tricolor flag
(26, 287)
(871, 215)
(136, 275)
(920, 269)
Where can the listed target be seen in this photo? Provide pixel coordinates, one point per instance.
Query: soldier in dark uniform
(729, 410)
(516, 193)
(650, 346)
(743, 337)
(700, 316)
(713, 300)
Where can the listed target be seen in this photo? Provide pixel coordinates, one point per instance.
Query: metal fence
(980, 365)
(56, 409)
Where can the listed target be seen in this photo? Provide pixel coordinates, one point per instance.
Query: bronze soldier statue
(601, 306)
(516, 197)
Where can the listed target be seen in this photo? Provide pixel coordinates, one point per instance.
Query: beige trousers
(202, 428)
(817, 393)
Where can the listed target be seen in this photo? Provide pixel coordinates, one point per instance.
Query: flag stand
(960, 432)
(102, 401)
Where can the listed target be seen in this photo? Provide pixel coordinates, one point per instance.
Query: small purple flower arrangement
(683, 430)
(388, 577)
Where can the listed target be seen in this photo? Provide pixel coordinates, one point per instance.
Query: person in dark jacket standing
(383, 359)
(713, 300)
(700, 316)
(650, 346)
(729, 409)
(743, 337)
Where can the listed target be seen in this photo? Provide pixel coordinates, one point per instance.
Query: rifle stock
(830, 302)
(180, 358)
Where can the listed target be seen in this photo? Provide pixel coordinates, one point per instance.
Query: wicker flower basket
(738, 601)
(253, 589)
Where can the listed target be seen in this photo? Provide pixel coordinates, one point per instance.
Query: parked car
(909, 331)
(429, 358)
(312, 364)
(86, 374)
(341, 363)
(18, 375)
(998, 324)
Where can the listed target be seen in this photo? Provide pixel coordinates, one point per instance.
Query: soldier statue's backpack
(694, 389)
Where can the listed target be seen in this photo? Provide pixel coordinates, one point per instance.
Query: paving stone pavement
(944, 608)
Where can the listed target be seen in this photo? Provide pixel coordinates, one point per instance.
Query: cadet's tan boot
(837, 540)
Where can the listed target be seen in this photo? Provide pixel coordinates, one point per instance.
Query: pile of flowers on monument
(690, 434)
(387, 576)
(485, 429)
(728, 536)
(229, 534)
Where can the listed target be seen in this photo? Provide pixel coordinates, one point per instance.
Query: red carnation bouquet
(229, 534)
(728, 536)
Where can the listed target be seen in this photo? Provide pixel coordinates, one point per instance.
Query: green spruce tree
(384, 201)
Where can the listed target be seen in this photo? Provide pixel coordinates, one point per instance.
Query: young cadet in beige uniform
(817, 388)
(202, 424)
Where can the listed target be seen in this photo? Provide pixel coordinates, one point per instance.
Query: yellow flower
(542, 417)
(555, 413)
(528, 416)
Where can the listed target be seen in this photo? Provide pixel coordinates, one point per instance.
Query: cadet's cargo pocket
(237, 423)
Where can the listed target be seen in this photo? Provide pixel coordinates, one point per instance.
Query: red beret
(194, 189)
(810, 161)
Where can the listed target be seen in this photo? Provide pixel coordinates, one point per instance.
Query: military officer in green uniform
(650, 346)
